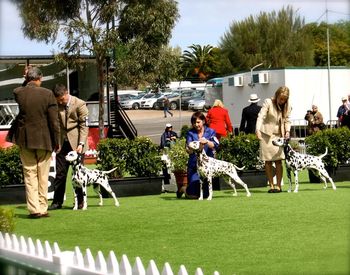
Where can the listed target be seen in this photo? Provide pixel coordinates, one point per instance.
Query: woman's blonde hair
(218, 102)
(282, 91)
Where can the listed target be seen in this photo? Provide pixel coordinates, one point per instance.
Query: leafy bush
(184, 130)
(138, 157)
(143, 158)
(337, 141)
(241, 150)
(7, 221)
(178, 156)
(10, 166)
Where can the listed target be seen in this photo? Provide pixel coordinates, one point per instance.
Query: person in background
(73, 115)
(207, 137)
(219, 119)
(168, 137)
(273, 122)
(315, 120)
(343, 114)
(166, 140)
(36, 134)
(166, 106)
(250, 115)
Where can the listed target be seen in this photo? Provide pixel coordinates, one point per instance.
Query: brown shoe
(34, 216)
(44, 215)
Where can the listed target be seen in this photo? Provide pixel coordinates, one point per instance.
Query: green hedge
(10, 166)
(337, 141)
(241, 150)
(138, 157)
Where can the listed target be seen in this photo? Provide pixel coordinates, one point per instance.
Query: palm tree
(198, 62)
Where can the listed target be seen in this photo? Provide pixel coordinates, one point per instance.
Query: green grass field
(286, 233)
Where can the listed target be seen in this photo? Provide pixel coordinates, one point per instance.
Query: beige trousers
(36, 168)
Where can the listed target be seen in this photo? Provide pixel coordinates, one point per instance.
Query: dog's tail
(321, 156)
(110, 171)
(239, 168)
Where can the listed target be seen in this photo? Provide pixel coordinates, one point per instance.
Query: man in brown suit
(37, 135)
(73, 115)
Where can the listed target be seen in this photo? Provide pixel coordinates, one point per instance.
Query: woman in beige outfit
(273, 122)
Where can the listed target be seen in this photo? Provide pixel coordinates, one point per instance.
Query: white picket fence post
(52, 259)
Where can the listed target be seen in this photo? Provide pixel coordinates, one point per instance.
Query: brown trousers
(36, 168)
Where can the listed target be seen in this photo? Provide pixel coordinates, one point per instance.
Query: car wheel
(135, 106)
(173, 106)
(155, 106)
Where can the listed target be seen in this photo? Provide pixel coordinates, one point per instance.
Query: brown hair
(282, 91)
(197, 115)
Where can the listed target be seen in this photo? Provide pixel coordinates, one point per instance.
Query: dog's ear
(287, 140)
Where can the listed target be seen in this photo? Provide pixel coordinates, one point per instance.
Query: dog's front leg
(296, 181)
(289, 175)
(75, 207)
(200, 190)
(84, 197)
(210, 188)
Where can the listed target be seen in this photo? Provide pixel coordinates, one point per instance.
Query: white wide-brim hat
(254, 98)
(168, 125)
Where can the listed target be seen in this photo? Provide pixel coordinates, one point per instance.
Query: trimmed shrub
(10, 166)
(7, 221)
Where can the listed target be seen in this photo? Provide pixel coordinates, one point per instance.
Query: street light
(252, 84)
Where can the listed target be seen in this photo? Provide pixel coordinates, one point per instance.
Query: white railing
(52, 259)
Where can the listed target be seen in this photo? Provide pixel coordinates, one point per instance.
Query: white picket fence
(43, 256)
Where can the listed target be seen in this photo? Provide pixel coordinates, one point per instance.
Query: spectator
(315, 120)
(207, 137)
(36, 135)
(273, 122)
(250, 115)
(343, 113)
(218, 119)
(166, 140)
(73, 115)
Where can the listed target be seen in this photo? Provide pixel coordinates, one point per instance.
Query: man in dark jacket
(36, 134)
(250, 115)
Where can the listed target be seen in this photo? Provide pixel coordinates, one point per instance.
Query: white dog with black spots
(209, 167)
(83, 177)
(296, 162)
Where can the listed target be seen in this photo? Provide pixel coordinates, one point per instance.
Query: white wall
(307, 86)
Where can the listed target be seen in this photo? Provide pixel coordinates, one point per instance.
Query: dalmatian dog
(296, 162)
(209, 167)
(83, 177)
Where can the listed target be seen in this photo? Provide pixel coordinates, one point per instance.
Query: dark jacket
(37, 121)
(249, 117)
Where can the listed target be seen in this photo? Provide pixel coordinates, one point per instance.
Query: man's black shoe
(55, 206)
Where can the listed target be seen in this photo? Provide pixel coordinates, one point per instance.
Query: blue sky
(202, 21)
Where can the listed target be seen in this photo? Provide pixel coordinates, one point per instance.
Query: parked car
(132, 103)
(125, 96)
(149, 102)
(185, 102)
(174, 99)
(197, 104)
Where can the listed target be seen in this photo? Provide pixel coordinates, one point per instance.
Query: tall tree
(339, 43)
(277, 39)
(99, 26)
(198, 62)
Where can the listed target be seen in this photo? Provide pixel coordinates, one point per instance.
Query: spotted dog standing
(296, 162)
(209, 167)
(83, 177)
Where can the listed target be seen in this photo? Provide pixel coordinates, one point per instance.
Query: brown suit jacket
(270, 120)
(37, 121)
(74, 127)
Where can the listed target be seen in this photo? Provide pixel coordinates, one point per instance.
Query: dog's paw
(249, 195)
(234, 195)
(75, 208)
(209, 198)
(295, 191)
(100, 203)
(289, 190)
(117, 204)
(200, 198)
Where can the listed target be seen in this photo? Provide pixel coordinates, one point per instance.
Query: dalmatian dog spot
(82, 177)
(296, 162)
(209, 167)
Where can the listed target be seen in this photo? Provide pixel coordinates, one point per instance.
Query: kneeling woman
(206, 136)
